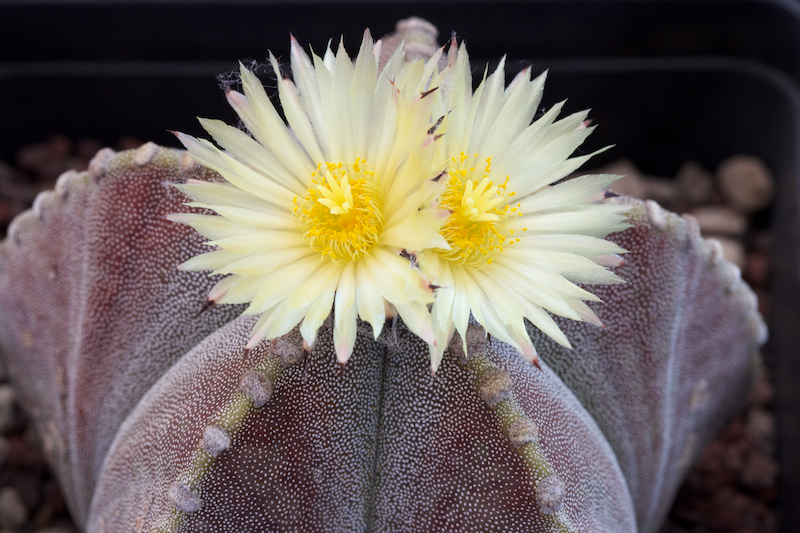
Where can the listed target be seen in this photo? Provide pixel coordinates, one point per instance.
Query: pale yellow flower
(315, 217)
(518, 243)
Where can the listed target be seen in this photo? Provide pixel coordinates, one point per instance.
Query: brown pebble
(86, 148)
(760, 472)
(760, 429)
(695, 184)
(128, 143)
(13, 511)
(758, 269)
(631, 183)
(662, 190)
(746, 183)
(762, 393)
(732, 249)
(720, 220)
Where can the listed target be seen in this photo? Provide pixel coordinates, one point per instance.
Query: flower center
(475, 230)
(341, 215)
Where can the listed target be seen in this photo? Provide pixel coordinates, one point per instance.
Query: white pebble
(720, 219)
(13, 511)
(746, 183)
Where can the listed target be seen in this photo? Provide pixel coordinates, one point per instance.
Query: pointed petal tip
(208, 304)
(343, 354)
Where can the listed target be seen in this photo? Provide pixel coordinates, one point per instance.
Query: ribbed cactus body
(379, 445)
(157, 420)
(93, 309)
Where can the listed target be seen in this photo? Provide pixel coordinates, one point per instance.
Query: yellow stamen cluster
(479, 213)
(341, 215)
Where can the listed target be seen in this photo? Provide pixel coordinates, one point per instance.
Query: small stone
(758, 269)
(695, 184)
(720, 220)
(7, 415)
(87, 148)
(126, 142)
(760, 428)
(550, 494)
(760, 472)
(523, 431)
(662, 190)
(762, 393)
(13, 511)
(631, 183)
(746, 183)
(495, 386)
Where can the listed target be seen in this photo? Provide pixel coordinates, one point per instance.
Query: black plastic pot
(667, 81)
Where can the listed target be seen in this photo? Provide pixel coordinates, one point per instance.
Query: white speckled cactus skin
(156, 419)
(130, 390)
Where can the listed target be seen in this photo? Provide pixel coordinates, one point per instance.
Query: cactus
(156, 418)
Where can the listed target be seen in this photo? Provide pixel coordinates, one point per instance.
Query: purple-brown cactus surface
(156, 419)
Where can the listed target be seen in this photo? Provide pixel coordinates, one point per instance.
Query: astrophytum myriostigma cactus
(156, 418)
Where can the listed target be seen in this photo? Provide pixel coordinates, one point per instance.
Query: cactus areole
(402, 224)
